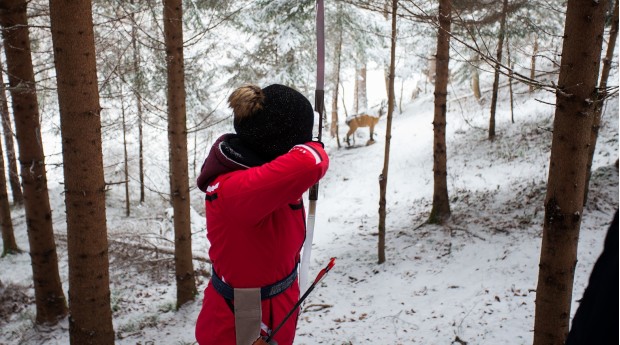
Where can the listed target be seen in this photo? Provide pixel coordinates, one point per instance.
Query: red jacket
(256, 227)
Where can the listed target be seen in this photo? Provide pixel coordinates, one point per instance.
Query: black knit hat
(272, 120)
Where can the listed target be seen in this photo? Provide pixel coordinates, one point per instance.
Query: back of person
(254, 181)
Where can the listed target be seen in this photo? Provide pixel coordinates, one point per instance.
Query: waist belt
(266, 292)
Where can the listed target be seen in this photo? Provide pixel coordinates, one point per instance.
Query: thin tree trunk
(356, 93)
(475, 84)
(137, 87)
(80, 125)
(400, 100)
(9, 246)
(16, 189)
(125, 157)
(475, 75)
(177, 137)
(195, 156)
(441, 203)
(336, 77)
(500, 45)
(572, 125)
(362, 94)
(511, 66)
(602, 89)
(49, 297)
(344, 104)
(383, 179)
(533, 63)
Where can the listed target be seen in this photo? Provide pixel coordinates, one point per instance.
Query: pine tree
(9, 246)
(441, 202)
(80, 124)
(388, 133)
(16, 189)
(49, 297)
(576, 91)
(177, 139)
(500, 45)
(603, 92)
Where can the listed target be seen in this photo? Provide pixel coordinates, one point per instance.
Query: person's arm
(258, 191)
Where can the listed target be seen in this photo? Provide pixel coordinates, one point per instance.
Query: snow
(472, 280)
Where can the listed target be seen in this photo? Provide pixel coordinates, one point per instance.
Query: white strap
(248, 315)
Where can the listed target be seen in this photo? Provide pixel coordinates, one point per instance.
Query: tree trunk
(125, 157)
(177, 138)
(510, 73)
(80, 125)
(602, 88)
(400, 99)
(362, 98)
(49, 297)
(500, 45)
(383, 179)
(336, 77)
(581, 51)
(533, 63)
(475, 78)
(356, 93)
(441, 202)
(137, 87)
(16, 189)
(9, 246)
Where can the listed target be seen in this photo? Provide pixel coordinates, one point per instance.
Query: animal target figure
(364, 119)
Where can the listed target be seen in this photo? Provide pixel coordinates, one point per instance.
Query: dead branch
(146, 247)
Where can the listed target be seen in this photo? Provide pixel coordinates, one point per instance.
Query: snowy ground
(472, 281)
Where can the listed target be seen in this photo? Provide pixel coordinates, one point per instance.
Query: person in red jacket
(254, 181)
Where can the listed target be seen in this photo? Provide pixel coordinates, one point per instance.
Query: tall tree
(137, 87)
(80, 125)
(441, 202)
(500, 47)
(177, 139)
(602, 87)
(49, 297)
(581, 51)
(125, 156)
(16, 189)
(388, 136)
(9, 246)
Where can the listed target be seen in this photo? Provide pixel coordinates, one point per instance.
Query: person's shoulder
(312, 150)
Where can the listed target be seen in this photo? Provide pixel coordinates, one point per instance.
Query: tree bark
(80, 125)
(9, 246)
(511, 65)
(475, 78)
(16, 189)
(533, 62)
(383, 179)
(177, 138)
(500, 46)
(441, 203)
(602, 89)
(581, 51)
(125, 157)
(137, 87)
(49, 297)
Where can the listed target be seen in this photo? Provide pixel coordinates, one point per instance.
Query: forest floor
(472, 281)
